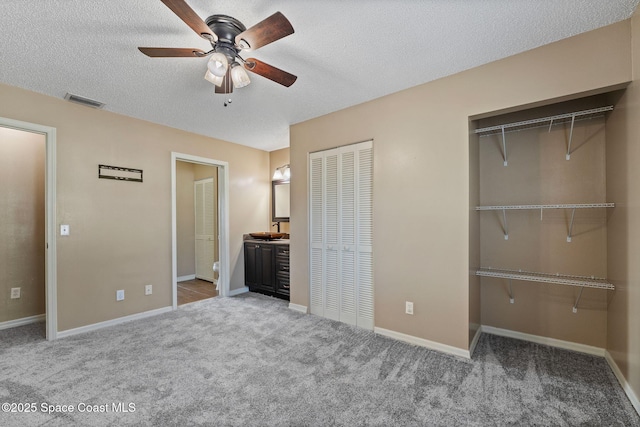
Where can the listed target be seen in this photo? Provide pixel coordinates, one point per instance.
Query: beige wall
(278, 158)
(22, 165)
(422, 176)
(120, 232)
(538, 173)
(623, 187)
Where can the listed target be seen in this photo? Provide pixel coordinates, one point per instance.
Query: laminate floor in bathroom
(195, 290)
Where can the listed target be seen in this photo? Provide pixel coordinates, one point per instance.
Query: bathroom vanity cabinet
(266, 267)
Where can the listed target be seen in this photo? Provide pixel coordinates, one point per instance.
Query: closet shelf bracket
(511, 298)
(573, 121)
(504, 148)
(575, 306)
(573, 214)
(506, 226)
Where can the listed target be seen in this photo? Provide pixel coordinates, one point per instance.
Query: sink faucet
(276, 224)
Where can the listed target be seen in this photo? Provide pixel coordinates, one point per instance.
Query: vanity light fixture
(283, 173)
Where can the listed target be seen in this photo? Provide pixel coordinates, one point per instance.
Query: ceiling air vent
(83, 101)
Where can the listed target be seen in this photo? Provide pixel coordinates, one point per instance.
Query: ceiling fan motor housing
(226, 28)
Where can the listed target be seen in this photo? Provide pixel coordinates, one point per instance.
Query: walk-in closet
(541, 208)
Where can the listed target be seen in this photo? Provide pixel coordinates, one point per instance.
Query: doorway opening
(200, 227)
(29, 231)
(197, 231)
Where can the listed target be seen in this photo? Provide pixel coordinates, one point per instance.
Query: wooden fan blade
(184, 12)
(269, 71)
(227, 83)
(168, 52)
(271, 29)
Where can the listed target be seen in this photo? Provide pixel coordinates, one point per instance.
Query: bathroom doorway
(200, 228)
(27, 236)
(197, 228)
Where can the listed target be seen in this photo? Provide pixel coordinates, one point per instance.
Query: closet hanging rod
(558, 279)
(537, 207)
(551, 120)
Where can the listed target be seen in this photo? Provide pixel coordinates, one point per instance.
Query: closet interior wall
(538, 173)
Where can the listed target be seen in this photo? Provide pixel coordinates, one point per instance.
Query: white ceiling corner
(343, 52)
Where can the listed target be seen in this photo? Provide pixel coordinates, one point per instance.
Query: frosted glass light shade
(218, 64)
(283, 173)
(278, 175)
(209, 76)
(239, 76)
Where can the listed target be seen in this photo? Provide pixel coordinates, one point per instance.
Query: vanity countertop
(248, 238)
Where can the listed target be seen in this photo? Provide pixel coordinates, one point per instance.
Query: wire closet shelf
(558, 279)
(544, 121)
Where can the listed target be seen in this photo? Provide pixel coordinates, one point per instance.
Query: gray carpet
(249, 360)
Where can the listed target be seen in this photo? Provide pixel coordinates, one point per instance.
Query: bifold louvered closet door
(341, 233)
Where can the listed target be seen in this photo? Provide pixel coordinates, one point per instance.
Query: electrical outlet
(15, 293)
(148, 289)
(64, 230)
(408, 307)
(120, 295)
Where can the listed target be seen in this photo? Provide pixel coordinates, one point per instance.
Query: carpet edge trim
(431, 345)
(298, 307)
(552, 342)
(623, 381)
(22, 321)
(113, 322)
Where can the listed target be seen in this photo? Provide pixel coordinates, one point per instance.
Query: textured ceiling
(343, 52)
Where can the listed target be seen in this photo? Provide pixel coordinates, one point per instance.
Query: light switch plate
(120, 295)
(64, 230)
(408, 307)
(148, 289)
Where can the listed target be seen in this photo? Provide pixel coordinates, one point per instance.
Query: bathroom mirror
(280, 201)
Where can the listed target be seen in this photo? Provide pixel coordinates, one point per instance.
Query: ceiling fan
(228, 37)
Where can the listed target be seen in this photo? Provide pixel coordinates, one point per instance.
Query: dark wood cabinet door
(251, 265)
(265, 272)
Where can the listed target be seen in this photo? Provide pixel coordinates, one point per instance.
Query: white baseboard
(113, 322)
(234, 292)
(432, 345)
(474, 341)
(623, 381)
(185, 278)
(23, 321)
(552, 342)
(298, 307)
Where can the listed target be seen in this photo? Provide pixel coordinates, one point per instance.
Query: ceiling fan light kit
(210, 77)
(239, 76)
(218, 64)
(226, 69)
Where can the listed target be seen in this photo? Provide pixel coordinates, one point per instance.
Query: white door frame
(223, 220)
(50, 260)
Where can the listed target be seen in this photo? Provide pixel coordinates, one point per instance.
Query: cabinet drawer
(282, 283)
(282, 267)
(282, 251)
